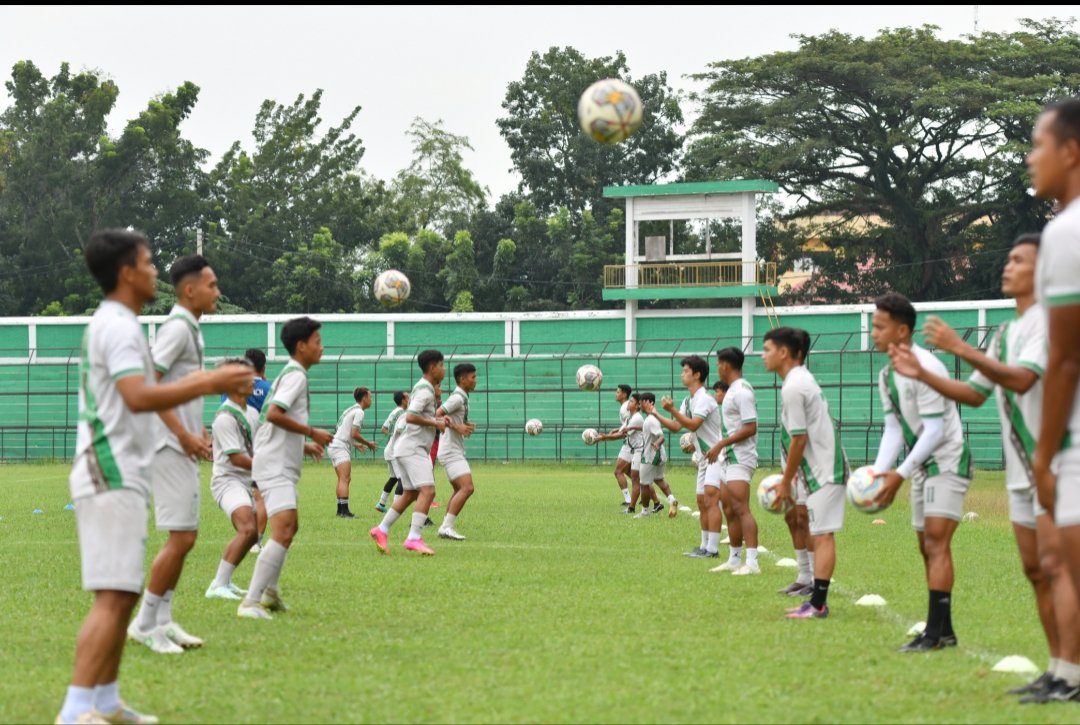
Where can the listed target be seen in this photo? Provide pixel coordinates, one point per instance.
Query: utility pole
(198, 242)
(976, 19)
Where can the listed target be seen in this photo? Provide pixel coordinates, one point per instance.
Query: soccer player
(938, 462)
(738, 426)
(1054, 165)
(389, 428)
(280, 445)
(452, 449)
(233, 432)
(347, 435)
(181, 441)
(262, 388)
(720, 389)
(813, 447)
(700, 415)
(412, 456)
(110, 477)
(1012, 366)
(654, 458)
(797, 518)
(634, 441)
(624, 462)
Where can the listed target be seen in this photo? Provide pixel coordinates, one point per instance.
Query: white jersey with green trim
(1018, 343)
(233, 431)
(739, 409)
(804, 410)
(1057, 282)
(279, 453)
(624, 417)
(653, 451)
(418, 438)
(393, 423)
(912, 401)
(178, 351)
(452, 443)
(112, 449)
(634, 437)
(352, 417)
(703, 405)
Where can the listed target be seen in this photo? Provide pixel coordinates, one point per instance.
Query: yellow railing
(690, 274)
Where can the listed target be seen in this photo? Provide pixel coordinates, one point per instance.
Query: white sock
(1070, 672)
(671, 498)
(736, 554)
(712, 544)
(79, 700)
(417, 526)
(164, 610)
(448, 521)
(810, 561)
(396, 497)
(388, 520)
(107, 697)
(751, 555)
(626, 495)
(806, 574)
(704, 538)
(224, 574)
(1052, 668)
(384, 498)
(267, 569)
(147, 618)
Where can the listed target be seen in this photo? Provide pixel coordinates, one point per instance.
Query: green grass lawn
(557, 609)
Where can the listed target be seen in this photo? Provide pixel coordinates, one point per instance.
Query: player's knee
(935, 546)
(466, 489)
(183, 541)
(1050, 561)
(248, 530)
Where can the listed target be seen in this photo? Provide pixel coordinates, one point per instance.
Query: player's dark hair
(733, 356)
(804, 343)
(1032, 238)
(898, 307)
(626, 389)
(648, 398)
(697, 365)
(463, 369)
(428, 359)
(636, 397)
(360, 393)
(720, 385)
(107, 251)
(186, 266)
(236, 361)
(399, 396)
(257, 358)
(1066, 123)
(791, 338)
(298, 330)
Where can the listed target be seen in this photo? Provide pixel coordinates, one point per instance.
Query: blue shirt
(258, 396)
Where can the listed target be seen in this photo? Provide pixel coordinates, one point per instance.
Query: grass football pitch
(558, 608)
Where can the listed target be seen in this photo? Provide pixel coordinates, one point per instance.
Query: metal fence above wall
(38, 395)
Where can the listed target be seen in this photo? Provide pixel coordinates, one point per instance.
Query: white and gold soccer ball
(589, 378)
(589, 436)
(767, 494)
(687, 443)
(863, 487)
(610, 110)
(392, 288)
(534, 427)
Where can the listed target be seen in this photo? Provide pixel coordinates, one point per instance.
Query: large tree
(559, 164)
(916, 137)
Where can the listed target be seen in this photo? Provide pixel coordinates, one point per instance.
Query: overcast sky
(398, 63)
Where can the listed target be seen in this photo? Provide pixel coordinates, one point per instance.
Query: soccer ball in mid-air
(534, 427)
(589, 378)
(589, 436)
(392, 288)
(767, 494)
(687, 443)
(863, 487)
(609, 110)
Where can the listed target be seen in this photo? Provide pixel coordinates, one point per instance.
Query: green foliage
(314, 278)
(919, 136)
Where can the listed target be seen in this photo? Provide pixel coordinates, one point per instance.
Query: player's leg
(647, 497)
(343, 468)
(712, 508)
(798, 523)
(825, 509)
(388, 488)
(175, 482)
(263, 593)
(1028, 546)
(261, 518)
(673, 503)
(1065, 606)
(734, 558)
(622, 467)
(98, 652)
(242, 515)
(419, 473)
(738, 490)
(462, 482)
